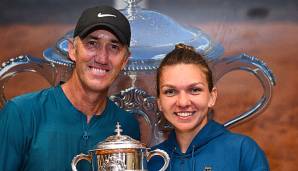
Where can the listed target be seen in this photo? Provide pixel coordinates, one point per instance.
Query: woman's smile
(184, 114)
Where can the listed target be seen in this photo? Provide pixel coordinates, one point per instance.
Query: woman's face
(184, 97)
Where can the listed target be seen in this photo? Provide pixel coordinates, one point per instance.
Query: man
(43, 131)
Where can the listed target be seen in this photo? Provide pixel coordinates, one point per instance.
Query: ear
(158, 104)
(213, 96)
(71, 50)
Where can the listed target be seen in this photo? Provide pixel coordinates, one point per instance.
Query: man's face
(99, 58)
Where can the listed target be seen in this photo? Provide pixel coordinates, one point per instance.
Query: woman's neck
(184, 138)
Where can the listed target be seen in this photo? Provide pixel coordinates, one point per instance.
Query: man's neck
(88, 102)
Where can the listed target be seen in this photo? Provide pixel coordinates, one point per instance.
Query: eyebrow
(197, 83)
(96, 38)
(191, 85)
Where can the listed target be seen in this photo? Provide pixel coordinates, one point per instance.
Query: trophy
(120, 152)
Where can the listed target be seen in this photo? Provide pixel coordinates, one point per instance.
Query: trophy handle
(78, 158)
(25, 63)
(163, 154)
(252, 65)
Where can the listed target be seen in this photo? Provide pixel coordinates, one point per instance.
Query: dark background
(267, 29)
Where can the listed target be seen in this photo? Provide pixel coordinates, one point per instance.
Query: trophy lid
(153, 36)
(119, 141)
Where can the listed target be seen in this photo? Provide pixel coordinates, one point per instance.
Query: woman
(185, 94)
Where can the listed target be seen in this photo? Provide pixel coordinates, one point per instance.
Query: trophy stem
(133, 77)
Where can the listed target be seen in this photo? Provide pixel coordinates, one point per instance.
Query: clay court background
(267, 29)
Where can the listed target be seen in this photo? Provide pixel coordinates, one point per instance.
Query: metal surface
(119, 141)
(144, 106)
(120, 152)
(25, 63)
(254, 66)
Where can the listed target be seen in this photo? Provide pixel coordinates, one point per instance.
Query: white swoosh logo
(105, 15)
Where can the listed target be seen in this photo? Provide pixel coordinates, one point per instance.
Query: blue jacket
(214, 148)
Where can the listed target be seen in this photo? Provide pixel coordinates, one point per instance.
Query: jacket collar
(210, 131)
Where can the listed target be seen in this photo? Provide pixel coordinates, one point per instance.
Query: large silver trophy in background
(153, 36)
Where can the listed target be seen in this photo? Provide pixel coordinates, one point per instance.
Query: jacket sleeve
(11, 138)
(252, 157)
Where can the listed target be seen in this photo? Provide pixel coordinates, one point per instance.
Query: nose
(183, 100)
(102, 55)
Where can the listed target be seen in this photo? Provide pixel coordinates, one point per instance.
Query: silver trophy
(120, 153)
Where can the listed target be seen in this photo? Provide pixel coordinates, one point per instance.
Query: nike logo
(105, 15)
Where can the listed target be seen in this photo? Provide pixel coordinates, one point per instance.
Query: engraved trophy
(120, 153)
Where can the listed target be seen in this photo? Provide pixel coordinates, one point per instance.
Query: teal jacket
(42, 131)
(214, 148)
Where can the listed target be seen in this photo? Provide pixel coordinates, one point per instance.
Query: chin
(99, 86)
(189, 127)
(185, 129)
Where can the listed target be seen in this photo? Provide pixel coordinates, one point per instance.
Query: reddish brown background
(273, 39)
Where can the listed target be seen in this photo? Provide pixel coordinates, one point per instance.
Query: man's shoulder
(29, 102)
(33, 97)
(120, 112)
(24, 108)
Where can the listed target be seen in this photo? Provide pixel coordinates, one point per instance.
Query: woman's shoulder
(238, 138)
(252, 155)
(167, 145)
(246, 146)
